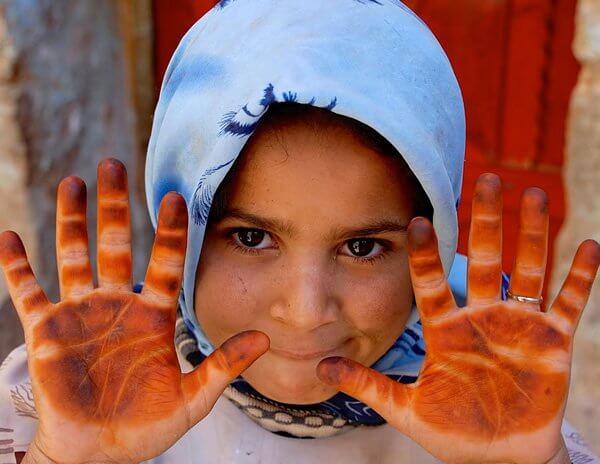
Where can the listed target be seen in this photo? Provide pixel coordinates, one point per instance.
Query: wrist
(562, 457)
(35, 456)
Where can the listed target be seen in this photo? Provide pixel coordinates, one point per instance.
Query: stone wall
(66, 102)
(582, 180)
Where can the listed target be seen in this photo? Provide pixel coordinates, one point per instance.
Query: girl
(313, 144)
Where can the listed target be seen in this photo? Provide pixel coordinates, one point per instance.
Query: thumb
(203, 386)
(390, 399)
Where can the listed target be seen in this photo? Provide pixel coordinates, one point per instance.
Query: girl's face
(311, 250)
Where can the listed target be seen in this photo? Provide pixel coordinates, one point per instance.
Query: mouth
(306, 355)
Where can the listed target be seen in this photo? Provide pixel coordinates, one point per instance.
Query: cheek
(380, 305)
(227, 299)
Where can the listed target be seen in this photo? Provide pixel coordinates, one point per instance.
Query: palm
(503, 371)
(494, 382)
(117, 357)
(493, 376)
(105, 365)
(105, 375)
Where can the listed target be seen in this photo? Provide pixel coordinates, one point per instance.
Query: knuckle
(74, 256)
(430, 283)
(155, 296)
(169, 262)
(114, 239)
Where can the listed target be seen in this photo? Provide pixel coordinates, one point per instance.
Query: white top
(228, 436)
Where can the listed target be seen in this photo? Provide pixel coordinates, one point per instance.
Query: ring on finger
(524, 299)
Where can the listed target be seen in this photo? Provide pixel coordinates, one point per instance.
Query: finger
(114, 228)
(25, 292)
(163, 278)
(72, 253)
(203, 386)
(432, 292)
(485, 242)
(528, 271)
(390, 399)
(576, 289)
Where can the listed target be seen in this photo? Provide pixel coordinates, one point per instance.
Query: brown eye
(361, 246)
(365, 250)
(251, 238)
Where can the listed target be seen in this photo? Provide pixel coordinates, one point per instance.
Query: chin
(288, 380)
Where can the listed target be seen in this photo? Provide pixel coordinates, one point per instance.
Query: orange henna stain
(11, 248)
(112, 215)
(72, 196)
(440, 300)
(117, 264)
(242, 348)
(19, 275)
(73, 274)
(112, 178)
(34, 300)
(163, 282)
(173, 212)
(490, 373)
(167, 243)
(115, 356)
(72, 232)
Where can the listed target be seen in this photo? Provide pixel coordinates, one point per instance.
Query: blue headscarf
(371, 60)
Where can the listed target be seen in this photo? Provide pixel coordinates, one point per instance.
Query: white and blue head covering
(371, 60)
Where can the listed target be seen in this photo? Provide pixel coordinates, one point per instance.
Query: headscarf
(371, 60)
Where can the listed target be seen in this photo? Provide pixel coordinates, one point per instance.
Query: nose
(307, 297)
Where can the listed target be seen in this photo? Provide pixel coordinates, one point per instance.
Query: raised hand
(106, 380)
(494, 383)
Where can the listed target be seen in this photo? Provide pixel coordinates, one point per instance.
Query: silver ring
(524, 299)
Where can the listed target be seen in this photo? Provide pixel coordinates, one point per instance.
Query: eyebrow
(283, 227)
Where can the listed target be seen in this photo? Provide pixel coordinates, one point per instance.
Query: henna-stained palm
(495, 379)
(106, 380)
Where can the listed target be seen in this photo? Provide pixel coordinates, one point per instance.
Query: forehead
(318, 160)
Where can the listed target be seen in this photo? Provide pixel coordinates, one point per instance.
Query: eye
(253, 238)
(363, 247)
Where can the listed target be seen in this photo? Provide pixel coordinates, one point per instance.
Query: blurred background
(79, 81)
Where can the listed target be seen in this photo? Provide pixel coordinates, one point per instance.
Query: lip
(307, 355)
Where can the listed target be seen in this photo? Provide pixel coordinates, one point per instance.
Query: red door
(514, 63)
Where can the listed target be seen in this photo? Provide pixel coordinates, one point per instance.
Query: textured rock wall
(582, 179)
(65, 103)
(15, 211)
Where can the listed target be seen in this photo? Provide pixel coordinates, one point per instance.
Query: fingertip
(72, 194)
(244, 348)
(489, 179)
(260, 340)
(417, 220)
(110, 163)
(591, 250)
(112, 176)
(71, 184)
(534, 198)
(9, 236)
(488, 187)
(173, 200)
(11, 247)
(420, 233)
(333, 370)
(173, 211)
